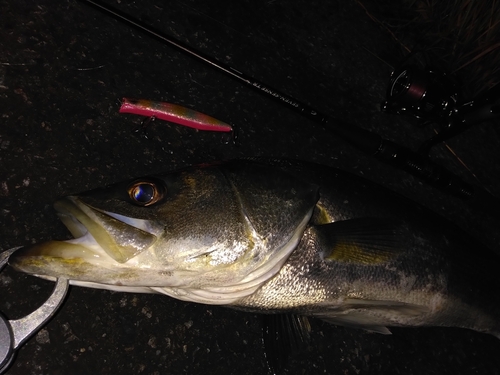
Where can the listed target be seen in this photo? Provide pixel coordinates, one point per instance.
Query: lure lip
(174, 113)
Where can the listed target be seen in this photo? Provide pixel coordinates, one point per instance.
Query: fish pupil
(143, 193)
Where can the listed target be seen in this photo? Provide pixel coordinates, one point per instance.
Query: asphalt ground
(64, 68)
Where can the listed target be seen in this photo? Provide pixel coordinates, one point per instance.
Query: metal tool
(14, 333)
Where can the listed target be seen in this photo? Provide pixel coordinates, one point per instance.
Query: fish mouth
(120, 237)
(102, 239)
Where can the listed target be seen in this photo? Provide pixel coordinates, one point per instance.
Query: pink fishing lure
(173, 113)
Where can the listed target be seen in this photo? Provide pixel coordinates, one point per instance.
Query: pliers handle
(13, 333)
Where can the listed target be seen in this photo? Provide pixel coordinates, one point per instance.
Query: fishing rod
(370, 143)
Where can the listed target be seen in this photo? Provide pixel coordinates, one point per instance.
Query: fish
(275, 237)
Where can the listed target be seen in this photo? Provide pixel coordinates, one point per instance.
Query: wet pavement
(64, 68)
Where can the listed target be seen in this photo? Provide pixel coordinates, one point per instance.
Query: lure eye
(145, 193)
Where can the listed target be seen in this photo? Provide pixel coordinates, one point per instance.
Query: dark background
(64, 68)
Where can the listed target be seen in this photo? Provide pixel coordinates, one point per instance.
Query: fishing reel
(433, 96)
(426, 94)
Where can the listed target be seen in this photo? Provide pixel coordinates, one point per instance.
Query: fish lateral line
(174, 113)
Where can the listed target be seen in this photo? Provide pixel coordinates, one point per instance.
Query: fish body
(276, 237)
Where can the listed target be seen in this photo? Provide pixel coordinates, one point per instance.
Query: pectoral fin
(365, 241)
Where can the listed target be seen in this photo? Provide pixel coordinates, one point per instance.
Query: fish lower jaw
(114, 288)
(93, 285)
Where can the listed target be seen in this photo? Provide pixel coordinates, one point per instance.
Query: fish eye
(145, 193)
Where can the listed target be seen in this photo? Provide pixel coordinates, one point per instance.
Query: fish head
(202, 233)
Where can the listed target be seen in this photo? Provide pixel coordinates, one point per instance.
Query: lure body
(174, 113)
